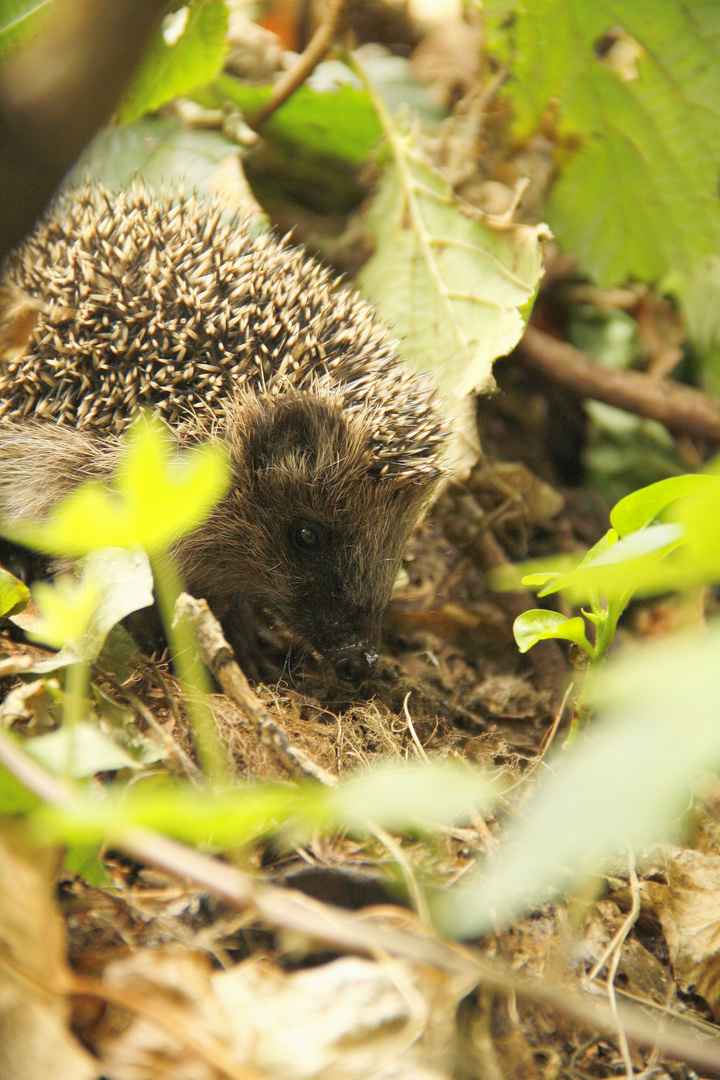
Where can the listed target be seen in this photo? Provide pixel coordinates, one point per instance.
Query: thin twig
(420, 748)
(682, 409)
(614, 950)
(169, 744)
(416, 894)
(219, 657)
(318, 46)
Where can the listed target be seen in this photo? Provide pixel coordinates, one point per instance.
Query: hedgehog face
(312, 533)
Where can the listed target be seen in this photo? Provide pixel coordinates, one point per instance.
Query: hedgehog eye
(308, 536)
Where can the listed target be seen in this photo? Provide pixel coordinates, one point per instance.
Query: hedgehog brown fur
(139, 300)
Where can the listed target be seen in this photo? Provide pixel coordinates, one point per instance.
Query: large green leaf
(14, 595)
(637, 193)
(84, 747)
(180, 56)
(79, 614)
(539, 625)
(453, 286)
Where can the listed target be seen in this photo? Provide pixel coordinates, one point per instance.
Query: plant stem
(605, 635)
(190, 670)
(76, 685)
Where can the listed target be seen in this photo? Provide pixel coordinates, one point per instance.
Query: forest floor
(183, 970)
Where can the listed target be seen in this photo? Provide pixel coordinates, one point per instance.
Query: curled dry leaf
(688, 909)
(348, 1019)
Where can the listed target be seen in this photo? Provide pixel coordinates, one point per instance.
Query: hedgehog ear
(293, 428)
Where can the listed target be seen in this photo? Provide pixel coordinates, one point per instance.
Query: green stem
(75, 693)
(605, 630)
(190, 671)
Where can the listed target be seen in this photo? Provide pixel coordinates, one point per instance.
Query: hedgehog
(119, 301)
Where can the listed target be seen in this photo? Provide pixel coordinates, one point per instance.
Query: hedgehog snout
(354, 663)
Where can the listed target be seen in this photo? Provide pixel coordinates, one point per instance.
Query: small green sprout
(663, 537)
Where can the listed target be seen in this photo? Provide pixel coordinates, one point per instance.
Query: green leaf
(66, 607)
(625, 452)
(649, 541)
(157, 150)
(14, 796)
(539, 625)
(452, 286)
(657, 730)
(637, 194)
(698, 291)
(173, 65)
(19, 21)
(14, 595)
(79, 614)
(85, 862)
(417, 798)
(83, 746)
(157, 495)
(609, 335)
(561, 576)
(639, 509)
(619, 569)
(336, 123)
(406, 797)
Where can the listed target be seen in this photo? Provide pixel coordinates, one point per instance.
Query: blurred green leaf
(637, 90)
(406, 797)
(156, 496)
(515, 576)
(656, 732)
(186, 51)
(611, 336)
(395, 80)
(625, 452)
(14, 796)
(14, 595)
(617, 570)
(84, 746)
(158, 150)
(417, 798)
(698, 291)
(85, 862)
(19, 21)
(642, 507)
(539, 625)
(66, 606)
(112, 583)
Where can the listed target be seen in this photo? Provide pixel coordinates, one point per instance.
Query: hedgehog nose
(355, 663)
